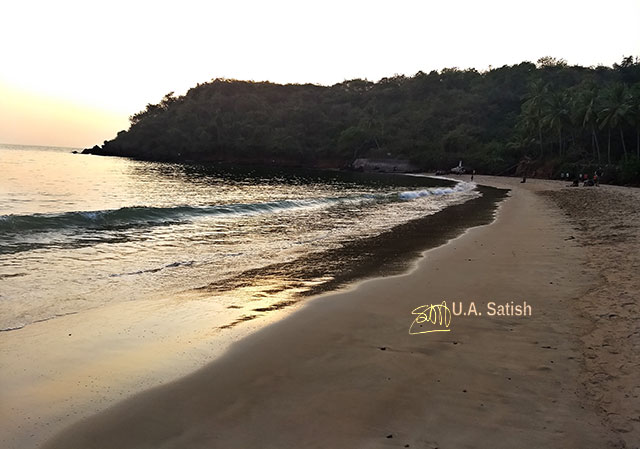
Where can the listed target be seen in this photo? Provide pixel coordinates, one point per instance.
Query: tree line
(603, 117)
(553, 116)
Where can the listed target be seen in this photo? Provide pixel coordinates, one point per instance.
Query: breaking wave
(146, 215)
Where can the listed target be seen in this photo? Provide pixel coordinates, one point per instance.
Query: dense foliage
(542, 118)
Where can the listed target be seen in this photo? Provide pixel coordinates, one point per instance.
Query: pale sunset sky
(71, 72)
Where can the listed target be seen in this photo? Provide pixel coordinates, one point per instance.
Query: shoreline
(386, 254)
(79, 364)
(344, 371)
(312, 347)
(269, 268)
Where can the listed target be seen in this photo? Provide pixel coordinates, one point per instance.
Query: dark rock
(95, 150)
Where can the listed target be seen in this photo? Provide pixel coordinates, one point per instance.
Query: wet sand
(343, 371)
(388, 253)
(58, 371)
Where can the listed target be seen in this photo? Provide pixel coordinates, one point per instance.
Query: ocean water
(80, 231)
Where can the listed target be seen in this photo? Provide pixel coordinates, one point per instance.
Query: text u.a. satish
(510, 308)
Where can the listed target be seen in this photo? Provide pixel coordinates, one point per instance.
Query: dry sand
(343, 371)
(608, 222)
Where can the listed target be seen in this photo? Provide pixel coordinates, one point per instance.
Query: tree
(493, 118)
(353, 140)
(534, 108)
(557, 115)
(587, 110)
(550, 61)
(614, 113)
(628, 70)
(634, 113)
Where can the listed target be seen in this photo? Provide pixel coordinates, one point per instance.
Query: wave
(128, 216)
(460, 187)
(146, 215)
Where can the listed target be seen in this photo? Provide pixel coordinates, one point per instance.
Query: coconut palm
(585, 115)
(557, 117)
(614, 114)
(634, 113)
(533, 108)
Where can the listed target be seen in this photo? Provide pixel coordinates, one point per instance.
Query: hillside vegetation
(542, 118)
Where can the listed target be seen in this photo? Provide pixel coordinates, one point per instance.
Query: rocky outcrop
(95, 150)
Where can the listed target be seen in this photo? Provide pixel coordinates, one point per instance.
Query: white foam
(460, 187)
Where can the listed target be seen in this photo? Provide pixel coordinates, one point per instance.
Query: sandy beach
(279, 225)
(344, 371)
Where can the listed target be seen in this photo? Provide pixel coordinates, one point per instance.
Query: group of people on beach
(585, 178)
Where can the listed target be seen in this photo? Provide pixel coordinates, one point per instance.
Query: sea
(82, 231)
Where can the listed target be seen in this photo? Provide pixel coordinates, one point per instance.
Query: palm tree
(634, 113)
(520, 143)
(585, 111)
(614, 114)
(557, 115)
(533, 108)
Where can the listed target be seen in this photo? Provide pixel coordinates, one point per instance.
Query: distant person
(596, 180)
(473, 174)
(576, 181)
(524, 179)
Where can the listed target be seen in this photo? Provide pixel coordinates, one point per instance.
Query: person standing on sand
(473, 174)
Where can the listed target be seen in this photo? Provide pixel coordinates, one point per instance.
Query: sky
(72, 72)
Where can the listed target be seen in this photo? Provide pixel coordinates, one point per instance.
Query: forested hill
(552, 115)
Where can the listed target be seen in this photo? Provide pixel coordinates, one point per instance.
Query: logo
(431, 318)
(437, 317)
